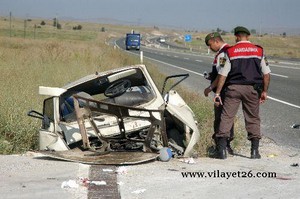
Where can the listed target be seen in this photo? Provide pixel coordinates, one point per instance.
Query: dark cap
(210, 36)
(241, 29)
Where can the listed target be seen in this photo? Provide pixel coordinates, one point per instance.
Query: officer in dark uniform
(217, 45)
(246, 77)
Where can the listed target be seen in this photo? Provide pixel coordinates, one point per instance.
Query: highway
(278, 114)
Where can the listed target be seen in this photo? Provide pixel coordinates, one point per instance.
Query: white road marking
(199, 61)
(175, 66)
(284, 102)
(279, 66)
(279, 75)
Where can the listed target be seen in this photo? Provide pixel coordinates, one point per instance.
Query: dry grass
(52, 61)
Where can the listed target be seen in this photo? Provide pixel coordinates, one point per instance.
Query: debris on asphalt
(284, 178)
(296, 126)
(120, 183)
(97, 182)
(122, 170)
(271, 155)
(165, 154)
(85, 182)
(293, 155)
(188, 160)
(173, 170)
(69, 184)
(139, 191)
(81, 182)
(295, 165)
(107, 170)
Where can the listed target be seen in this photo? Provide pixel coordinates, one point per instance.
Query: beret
(210, 36)
(241, 29)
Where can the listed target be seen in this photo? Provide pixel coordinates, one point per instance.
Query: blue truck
(133, 41)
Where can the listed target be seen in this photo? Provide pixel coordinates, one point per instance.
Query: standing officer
(246, 77)
(217, 44)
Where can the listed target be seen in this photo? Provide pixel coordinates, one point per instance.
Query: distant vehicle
(133, 41)
(162, 40)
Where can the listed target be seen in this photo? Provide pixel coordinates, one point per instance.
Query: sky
(265, 16)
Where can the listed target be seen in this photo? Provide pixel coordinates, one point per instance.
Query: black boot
(254, 149)
(221, 148)
(229, 149)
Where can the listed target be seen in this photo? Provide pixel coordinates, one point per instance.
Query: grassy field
(53, 58)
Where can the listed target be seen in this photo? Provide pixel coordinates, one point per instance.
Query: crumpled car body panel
(120, 111)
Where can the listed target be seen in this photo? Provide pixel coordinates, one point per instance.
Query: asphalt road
(281, 111)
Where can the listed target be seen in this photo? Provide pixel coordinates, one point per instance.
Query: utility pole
(25, 24)
(56, 22)
(34, 31)
(260, 28)
(9, 24)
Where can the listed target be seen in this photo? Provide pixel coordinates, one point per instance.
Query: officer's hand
(263, 97)
(218, 100)
(207, 75)
(207, 91)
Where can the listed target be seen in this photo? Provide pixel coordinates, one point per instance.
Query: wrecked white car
(115, 117)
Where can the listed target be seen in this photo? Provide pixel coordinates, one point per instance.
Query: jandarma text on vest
(249, 49)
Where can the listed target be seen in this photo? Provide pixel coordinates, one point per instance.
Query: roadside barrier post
(141, 56)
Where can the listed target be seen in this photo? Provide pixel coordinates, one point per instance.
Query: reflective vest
(245, 59)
